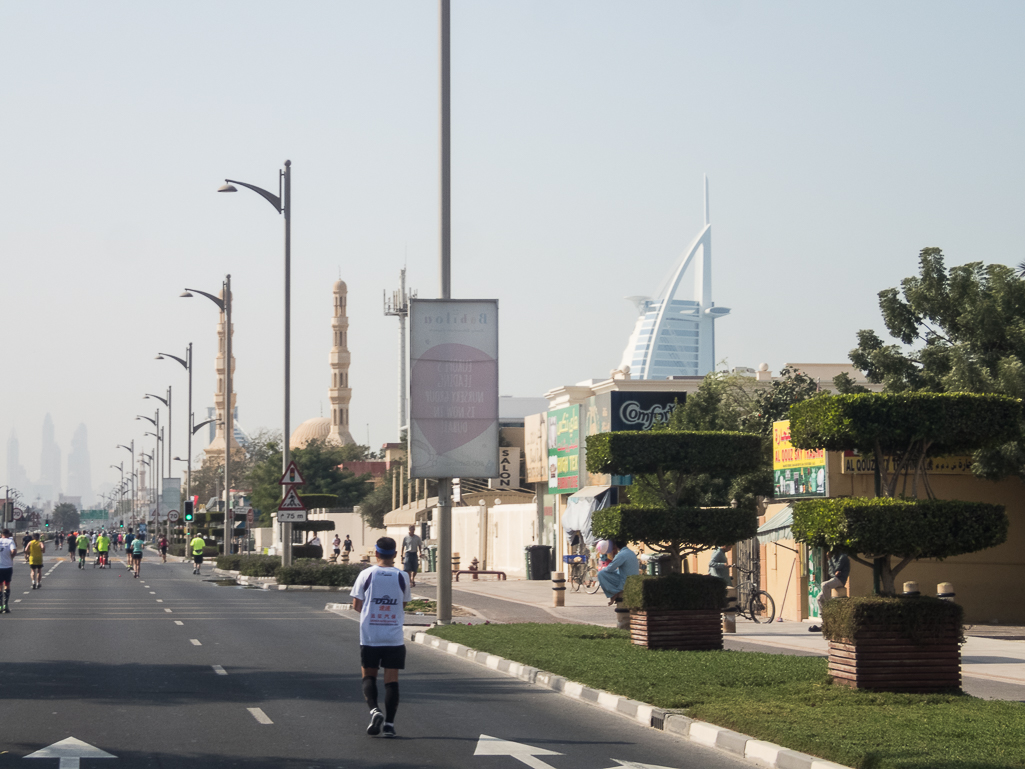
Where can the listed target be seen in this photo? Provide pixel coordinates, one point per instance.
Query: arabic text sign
(453, 388)
(796, 473)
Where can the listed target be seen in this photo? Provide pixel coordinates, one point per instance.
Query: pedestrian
(380, 596)
(315, 542)
(838, 568)
(35, 551)
(613, 577)
(347, 544)
(718, 566)
(103, 549)
(137, 545)
(163, 549)
(8, 549)
(82, 545)
(336, 545)
(411, 547)
(198, 544)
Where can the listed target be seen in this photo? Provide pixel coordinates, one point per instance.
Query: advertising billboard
(796, 473)
(642, 410)
(564, 450)
(453, 388)
(535, 448)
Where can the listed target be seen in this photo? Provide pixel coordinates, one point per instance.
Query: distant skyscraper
(675, 332)
(50, 460)
(16, 475)
(80, 482)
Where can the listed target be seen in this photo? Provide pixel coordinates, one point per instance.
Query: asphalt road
(134, 668)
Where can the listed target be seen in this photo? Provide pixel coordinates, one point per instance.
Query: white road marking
(70, 751)
(160, 600)
(152, 592)
(259, 715)
(25, 593)
(178, 622)
(168, 611)
(195, 642)
(219, 670)
(17, 600)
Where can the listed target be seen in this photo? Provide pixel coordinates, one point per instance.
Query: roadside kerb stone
(700, 732)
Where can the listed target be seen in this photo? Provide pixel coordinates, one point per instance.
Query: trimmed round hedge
(705, 526)
(723, 454)
(918, 619)
(675, 591)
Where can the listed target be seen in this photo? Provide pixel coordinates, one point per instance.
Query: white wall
(510, 528)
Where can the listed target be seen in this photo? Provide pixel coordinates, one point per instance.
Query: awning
(580, 505)
(777, 527)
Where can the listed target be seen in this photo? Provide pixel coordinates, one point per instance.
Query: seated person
(613, 577)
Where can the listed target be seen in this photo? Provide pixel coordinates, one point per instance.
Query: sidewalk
(992, 664)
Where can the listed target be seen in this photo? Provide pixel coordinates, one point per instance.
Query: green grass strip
(784, 699)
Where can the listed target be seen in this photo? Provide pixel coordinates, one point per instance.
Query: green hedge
(628, 452)
(919, 619)
(307, 551)
(250, 565)
(906, 528)
(675, 591)
(183, 551)
(706, 526)
(954, 423)
(314, 501)
(319, 573)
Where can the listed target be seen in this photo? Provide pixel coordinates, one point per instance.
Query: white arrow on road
(70, 752)
(635, 765)
(492, 746)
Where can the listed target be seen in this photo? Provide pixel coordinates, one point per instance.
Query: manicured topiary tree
(673, 471)
(910, 429)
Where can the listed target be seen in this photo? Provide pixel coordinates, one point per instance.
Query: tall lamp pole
(186, 362)
(121, 469)
(167, 453)
(282, 203)
(132, 474)
(224, 304)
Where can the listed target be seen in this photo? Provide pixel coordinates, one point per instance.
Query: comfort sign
(453, 388)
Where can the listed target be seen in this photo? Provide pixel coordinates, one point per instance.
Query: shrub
(318, 573)
(630, 452)
(907, 529)
(307, 551)
(315, 501)
(229, 562)
(675, 591)
(259, 565)
(658, 526)
(919, 619)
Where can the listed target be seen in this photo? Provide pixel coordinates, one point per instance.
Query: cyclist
(102, 549)
(197, 544)
(137, 544)
(83, 549)
(35, 551)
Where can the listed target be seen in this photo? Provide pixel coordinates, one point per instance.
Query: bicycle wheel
(592, 580)
(761, 603)
(576, 577)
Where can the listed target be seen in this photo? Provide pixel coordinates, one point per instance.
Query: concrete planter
(885, 660)
(685, 629)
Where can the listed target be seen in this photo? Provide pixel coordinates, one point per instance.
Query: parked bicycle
(753, 603)
(583, 570)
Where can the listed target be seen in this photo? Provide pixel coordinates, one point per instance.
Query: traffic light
(121, 525)
(47, 523)
(188, 510)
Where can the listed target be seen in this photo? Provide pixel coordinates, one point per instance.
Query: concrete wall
(508, 529)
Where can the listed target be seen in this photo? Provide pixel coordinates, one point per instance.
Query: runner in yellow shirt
(102, 548)
(197, 544)
(35, 552)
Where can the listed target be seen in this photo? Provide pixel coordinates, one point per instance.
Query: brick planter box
(686, 629)
(889, 661)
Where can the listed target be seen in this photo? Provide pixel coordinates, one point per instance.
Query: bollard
(729, 616)
(622, 617)
(558, 588)
(345, 556)
(455, 562)
(945, 591)
(911, 589)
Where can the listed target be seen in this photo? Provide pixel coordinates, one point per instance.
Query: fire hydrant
(474, 566)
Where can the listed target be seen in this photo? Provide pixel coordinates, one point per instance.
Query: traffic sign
(291, 516)
(250, 516)
(17, 514)
(172, 515)
(292, 476)
(291, 502)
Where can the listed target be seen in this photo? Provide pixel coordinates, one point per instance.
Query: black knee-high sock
(391, 701)
(370, 691)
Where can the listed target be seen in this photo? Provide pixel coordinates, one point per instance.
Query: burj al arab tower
(675, 331)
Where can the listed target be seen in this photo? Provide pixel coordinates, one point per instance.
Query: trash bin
(526, 559)
(432, 558)
(540, 561)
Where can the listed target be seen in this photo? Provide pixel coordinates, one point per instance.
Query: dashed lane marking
(160, 600)
(168, 611)
(219, 670)
(178, 622)
(259, 715)
(195, 642)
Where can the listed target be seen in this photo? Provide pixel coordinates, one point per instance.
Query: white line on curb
(259, 715)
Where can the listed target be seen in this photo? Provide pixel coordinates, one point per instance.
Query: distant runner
(8, 549)
(103, 549)
(163, 549)
(380, 595)
(197, 544)
(137, 544)
(35, 551)
(83, 549)
(129, 537)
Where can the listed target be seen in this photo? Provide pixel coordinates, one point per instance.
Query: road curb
(709, 735)
(270, 583)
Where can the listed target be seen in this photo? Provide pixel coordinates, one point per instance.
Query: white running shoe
(376, 719)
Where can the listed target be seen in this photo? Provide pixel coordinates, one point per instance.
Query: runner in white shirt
(380, 595)
(8, 549)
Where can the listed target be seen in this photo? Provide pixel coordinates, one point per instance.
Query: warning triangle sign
(292, 477)
(291, 501)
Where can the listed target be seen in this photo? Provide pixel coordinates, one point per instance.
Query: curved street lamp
(132, 474)
(167, 402)
(282, 203)
(186, 363)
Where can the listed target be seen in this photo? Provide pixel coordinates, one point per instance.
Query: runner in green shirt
(137, 545)
(197, 544)
(102, 547)
(83, 548)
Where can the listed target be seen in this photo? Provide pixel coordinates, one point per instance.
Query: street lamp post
(282, 203)
(121, 469)
(132, 473)
(167, 402)
(186, 362)
(229, 427)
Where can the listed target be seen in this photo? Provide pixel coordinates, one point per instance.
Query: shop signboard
(641, 410)
(864, 464)
(796, 473)
(453, 388)
(535, 449)
(508, 469)
(564, 450)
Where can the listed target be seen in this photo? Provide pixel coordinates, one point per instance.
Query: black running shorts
(388, 657)
(198, 558)
(6, 574)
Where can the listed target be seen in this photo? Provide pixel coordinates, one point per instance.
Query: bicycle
(752, 602)
(583, 573)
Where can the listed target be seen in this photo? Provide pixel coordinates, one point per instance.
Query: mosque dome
(318, 428)
(340, 287)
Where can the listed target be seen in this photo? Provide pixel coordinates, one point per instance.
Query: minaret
(340, 394)
(215, 451)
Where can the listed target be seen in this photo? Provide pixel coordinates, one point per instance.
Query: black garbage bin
(540, 561)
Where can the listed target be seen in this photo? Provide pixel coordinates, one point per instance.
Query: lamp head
(185, 295)
(227, 187)
(159, 357)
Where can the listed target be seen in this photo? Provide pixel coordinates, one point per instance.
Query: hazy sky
(838, 140)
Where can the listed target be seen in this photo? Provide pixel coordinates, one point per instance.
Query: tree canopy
(65, 517)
